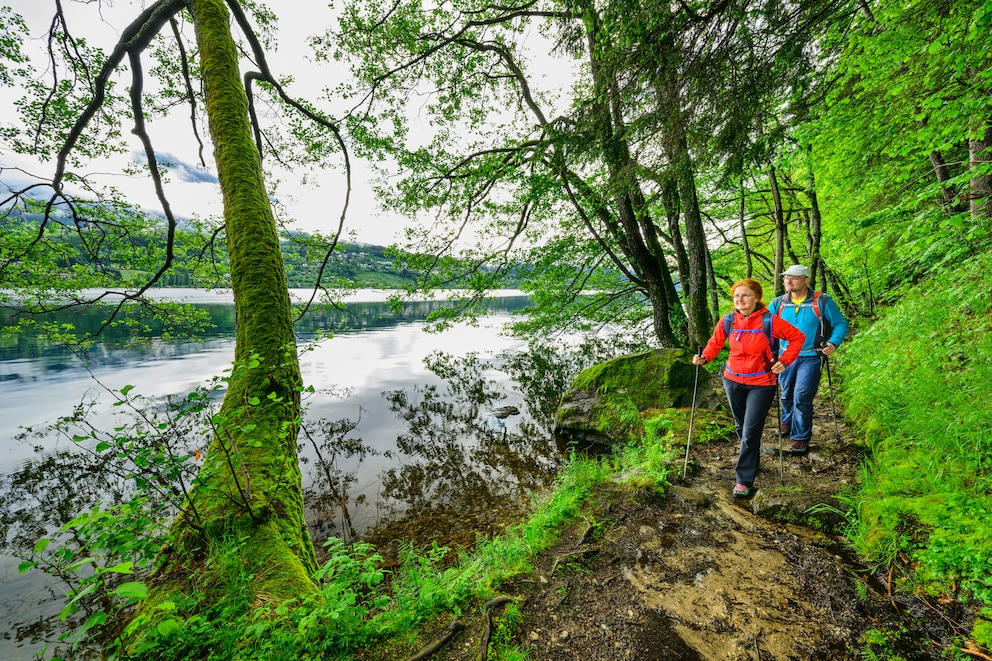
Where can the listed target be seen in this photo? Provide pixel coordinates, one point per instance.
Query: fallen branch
(486, 634)
(449, 633)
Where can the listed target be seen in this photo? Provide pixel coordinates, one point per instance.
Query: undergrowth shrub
(918, 382)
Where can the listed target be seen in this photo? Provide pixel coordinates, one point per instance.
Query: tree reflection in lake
(328, 496)
(422, 463)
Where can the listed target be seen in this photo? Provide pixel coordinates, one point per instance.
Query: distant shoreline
(225, 296)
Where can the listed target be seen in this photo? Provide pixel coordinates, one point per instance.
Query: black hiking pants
(749, 405)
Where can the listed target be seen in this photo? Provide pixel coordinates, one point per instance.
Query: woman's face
(744, 300)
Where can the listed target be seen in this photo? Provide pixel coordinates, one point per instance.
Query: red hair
(751, 284)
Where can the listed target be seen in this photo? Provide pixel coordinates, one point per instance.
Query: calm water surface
(391, 450)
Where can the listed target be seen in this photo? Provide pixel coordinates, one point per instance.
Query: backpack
(766, 329)
(824, 328)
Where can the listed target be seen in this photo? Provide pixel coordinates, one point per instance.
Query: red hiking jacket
(750, 359)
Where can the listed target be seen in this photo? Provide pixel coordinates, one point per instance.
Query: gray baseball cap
(797, 269)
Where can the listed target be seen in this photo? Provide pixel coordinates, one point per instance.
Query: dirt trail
(700, 575)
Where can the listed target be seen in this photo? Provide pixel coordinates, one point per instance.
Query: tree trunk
(249, 488)
(694, 286)
(640, 240)
(815, 230)
(779, 231)
(943, 173)
(748, 261)
(980, 153)
(691, 252)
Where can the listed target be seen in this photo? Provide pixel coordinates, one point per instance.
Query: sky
(193, 189)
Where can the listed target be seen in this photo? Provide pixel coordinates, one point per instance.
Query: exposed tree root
(487, 633)
(449, 633)
(561, 557)
(974, 650)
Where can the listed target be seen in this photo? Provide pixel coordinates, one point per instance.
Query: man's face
(795, 282)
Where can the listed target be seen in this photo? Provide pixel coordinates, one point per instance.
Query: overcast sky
(192, 188)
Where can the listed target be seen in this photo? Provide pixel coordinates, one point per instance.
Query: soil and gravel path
(700, 575)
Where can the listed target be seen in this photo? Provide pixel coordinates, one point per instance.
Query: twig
(569, 554)
(585, 533)
(955, 626)
(892, 599)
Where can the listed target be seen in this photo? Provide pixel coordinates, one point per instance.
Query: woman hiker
(749, 378)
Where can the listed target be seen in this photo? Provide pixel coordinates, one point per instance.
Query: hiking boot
(742, 491)
(785, 428)
(799, 447)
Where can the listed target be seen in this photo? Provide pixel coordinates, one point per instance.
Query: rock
(690, 496)
(506, 411)
(604, 402)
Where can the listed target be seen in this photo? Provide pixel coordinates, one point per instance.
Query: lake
(391, 451)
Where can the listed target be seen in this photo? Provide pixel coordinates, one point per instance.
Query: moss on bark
(250, 484)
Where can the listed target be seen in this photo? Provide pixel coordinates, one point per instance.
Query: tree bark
(640, 240)
(943, 173)
(779, 231)
(748, 261)
(249, 488)
(980, 153)
(815, 232)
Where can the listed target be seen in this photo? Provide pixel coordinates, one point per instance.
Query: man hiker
(819, 318)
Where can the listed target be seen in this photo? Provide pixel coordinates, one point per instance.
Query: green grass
(358, 612)
(918, 382)
(354, 609)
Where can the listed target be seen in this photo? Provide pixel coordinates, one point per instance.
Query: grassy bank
(918, 383)
(363, 612)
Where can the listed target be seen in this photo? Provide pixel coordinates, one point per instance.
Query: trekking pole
(778, 422)
(778, 426)
(830, 385)
(692, 414)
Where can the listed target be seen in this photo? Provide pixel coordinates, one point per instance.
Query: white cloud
(191, 187)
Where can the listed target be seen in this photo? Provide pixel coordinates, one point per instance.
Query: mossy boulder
(605, 402)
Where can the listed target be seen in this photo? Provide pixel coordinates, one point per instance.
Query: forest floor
(700, 575)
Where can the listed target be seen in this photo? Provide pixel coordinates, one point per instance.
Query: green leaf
(25, 566)
(132, 590)
(126, 389)
(122, 568)
(254, 401)
(94, 620)
(70, 607)
(79, 563)
(168, 627)
(41, 545)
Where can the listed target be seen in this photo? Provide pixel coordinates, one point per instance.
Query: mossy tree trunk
(249, 487)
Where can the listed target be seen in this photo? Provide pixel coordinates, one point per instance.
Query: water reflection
(393, 448)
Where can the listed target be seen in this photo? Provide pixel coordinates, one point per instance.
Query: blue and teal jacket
(803, 316)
